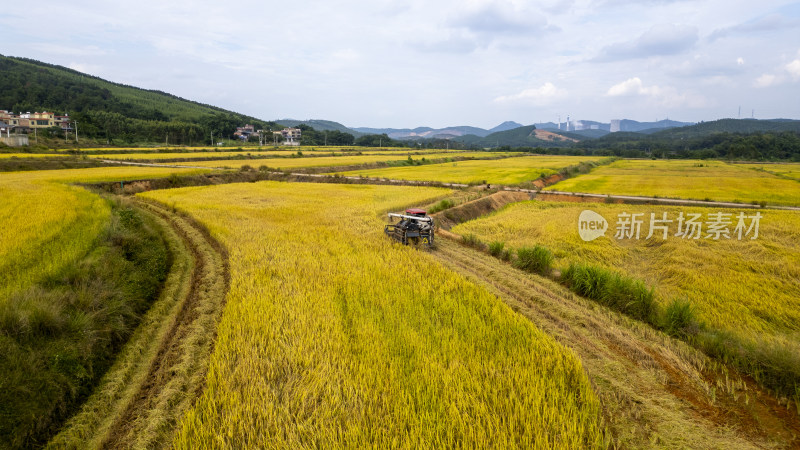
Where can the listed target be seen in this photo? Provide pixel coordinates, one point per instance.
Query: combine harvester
(415, 227)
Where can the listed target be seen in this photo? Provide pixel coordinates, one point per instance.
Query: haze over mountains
(583, 128)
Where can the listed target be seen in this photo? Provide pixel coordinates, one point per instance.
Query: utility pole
(212, 138)
(326, 138)
(76, 133)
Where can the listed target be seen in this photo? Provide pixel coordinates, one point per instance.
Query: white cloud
(740, 61)
(767, 80)
(631, 86)
(663, 96)
(794, 69)
(541, 95)
(763, 24)
(660, 40)
(66, 50)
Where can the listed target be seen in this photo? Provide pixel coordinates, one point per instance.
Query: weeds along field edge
(334, 336)
(738, 300)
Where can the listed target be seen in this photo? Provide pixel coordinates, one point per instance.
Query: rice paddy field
(506, 171)
(328, 161)
(249, 148)
(334, 337)
(688, 179)
(748, 287)
(786, 170)
(46, 223)
(155, 156)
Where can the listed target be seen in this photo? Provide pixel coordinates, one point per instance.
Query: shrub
(624, 294)
(471, 240)
(498, 250)
(442, 205)
(679, 319)
(537, 259)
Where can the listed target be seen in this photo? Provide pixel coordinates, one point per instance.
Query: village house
(290, 136)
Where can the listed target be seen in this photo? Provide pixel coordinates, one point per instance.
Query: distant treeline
(753, 147)
(112, 111)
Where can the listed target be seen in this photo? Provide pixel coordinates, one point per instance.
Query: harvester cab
(415, 227)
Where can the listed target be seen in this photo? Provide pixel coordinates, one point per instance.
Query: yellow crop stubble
(333, 336)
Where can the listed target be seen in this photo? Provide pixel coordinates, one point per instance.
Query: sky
(409, 63)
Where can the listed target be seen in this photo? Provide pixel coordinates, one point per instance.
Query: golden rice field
(750, 287)
(47, 224)
(787, 170)
(506, 171)
(187, 155)
(334, 337)
(265, 154)
(329, 161)
(303, 148)
(690, 179)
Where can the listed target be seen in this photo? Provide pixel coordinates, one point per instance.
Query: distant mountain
(704, 135)
(585, 134)
(525, 136)
(649, 127)
(590, 126)
(321, 125)
(505, 126)
(742, 126)
(437, 133)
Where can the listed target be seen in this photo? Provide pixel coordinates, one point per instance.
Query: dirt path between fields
(655, 391)
(176, 376)
(161, 371)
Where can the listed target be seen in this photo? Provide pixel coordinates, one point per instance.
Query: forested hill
(728, 138)
(106, 109)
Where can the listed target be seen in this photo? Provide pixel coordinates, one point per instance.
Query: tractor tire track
(176, 375)
(655, 391)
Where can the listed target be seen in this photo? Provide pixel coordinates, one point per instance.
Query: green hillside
(320, 125)
(517, 137)
(729, 138)
(110, 110)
